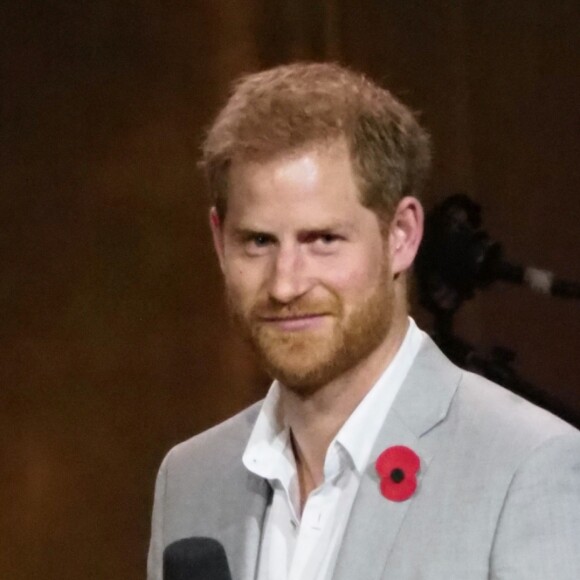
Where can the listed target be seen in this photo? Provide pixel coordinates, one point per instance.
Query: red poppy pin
(398, 466)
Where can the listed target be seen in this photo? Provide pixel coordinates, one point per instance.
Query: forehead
(311, 184)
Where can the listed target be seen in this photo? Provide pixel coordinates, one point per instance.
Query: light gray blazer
(498, 494)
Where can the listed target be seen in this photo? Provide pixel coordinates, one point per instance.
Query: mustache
(299, 309)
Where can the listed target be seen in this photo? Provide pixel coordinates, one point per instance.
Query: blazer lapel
(244, 509)
(246, 545)
(374, 522)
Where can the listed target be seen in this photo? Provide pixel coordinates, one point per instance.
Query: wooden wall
(114, 344)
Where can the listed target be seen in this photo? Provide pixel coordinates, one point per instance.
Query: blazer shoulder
(220, 445)
(507, 417)
(204, 490)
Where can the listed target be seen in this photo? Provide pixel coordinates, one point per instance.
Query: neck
(315, 420)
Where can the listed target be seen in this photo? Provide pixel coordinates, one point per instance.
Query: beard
(305, 360)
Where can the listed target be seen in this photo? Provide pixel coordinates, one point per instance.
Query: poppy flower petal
(398, 466)
(398, 491)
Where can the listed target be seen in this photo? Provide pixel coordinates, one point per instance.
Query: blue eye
(328, 238)
(261, 240)
(326, 242)
(256, 243)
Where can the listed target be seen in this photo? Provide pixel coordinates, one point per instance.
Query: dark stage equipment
(195, 559)
(456, 258)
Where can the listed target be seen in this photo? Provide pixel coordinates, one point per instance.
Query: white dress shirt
(306, 548)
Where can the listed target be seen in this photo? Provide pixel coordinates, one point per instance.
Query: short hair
(291, 107)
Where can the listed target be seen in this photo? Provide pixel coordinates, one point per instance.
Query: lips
(294, 322)
(275, 318)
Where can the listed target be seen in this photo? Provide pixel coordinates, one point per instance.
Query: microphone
(195, 559)
(457, 257)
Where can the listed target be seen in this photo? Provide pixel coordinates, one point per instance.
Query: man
(372, 456)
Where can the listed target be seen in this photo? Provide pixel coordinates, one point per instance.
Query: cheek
(242, 282)
(355, 277)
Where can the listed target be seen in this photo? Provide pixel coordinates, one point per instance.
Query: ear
(217, 233)
(405, 234)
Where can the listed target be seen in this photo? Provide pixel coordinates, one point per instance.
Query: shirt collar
(269, 454)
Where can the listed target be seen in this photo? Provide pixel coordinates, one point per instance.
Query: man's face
(306, 267)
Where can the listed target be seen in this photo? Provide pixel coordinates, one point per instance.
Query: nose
(289, 279)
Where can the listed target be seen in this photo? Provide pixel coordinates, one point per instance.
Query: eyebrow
(306, 234)
(244, 233)
(345, 227)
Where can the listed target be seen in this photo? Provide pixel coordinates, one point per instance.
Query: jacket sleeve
(538, 533)
(156, 546)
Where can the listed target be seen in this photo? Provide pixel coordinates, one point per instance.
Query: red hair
(301, 105)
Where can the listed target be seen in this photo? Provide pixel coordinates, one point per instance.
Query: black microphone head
(195, 559)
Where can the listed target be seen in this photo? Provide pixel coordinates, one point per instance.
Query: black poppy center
(397, 475)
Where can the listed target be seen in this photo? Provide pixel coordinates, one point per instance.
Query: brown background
(114, 344)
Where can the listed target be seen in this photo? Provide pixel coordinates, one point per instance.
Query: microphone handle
(541, 281)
